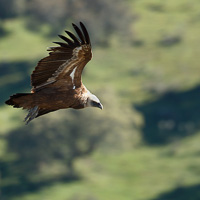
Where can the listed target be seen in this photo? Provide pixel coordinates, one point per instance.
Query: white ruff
(92, 97)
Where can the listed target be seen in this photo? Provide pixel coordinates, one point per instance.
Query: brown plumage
(56, 80)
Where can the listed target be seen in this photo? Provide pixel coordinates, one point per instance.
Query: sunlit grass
(21, 44)
(10, 118)
(141, 174)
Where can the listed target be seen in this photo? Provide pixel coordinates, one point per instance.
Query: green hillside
(145, 173)
(144, 145)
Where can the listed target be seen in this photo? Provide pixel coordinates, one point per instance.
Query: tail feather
(25, 101)
(13, 100)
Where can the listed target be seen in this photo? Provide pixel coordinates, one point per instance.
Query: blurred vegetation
(43, 16)
(172, 116)
(145, 69)
(181, 193)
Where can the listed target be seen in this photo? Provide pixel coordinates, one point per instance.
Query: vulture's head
(93, 101)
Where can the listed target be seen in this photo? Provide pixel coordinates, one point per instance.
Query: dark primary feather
(71, 43)
(62, 44)
(78, 31)
(85, 33)
(76, 41)
(61, 55)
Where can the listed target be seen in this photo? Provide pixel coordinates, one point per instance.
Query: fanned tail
(17, 100)
(25, 101)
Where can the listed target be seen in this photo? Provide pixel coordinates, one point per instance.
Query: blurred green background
(144, 145)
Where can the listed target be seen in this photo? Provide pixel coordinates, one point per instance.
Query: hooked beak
(100, 106)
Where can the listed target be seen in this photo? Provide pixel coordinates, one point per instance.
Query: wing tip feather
(85, 32)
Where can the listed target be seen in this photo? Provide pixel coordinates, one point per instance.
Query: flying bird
(56, 80)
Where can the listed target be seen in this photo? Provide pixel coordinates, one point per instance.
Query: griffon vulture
(56, 80)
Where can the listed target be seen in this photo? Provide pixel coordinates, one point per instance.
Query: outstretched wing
(65, 62)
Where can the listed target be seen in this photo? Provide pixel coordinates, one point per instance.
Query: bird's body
(56, 79)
